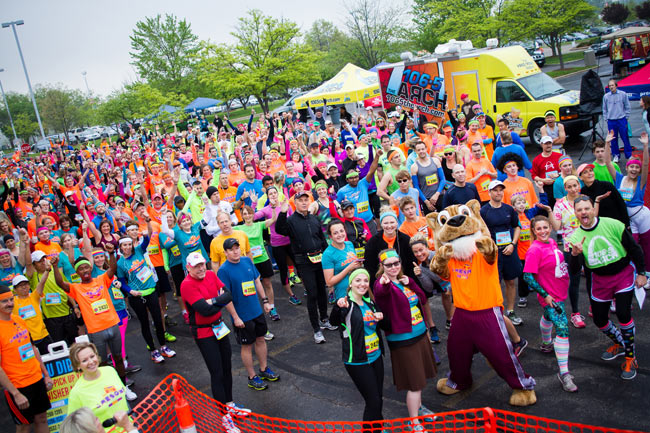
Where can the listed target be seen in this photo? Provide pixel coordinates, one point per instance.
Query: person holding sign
(241, 276)
(22, 373)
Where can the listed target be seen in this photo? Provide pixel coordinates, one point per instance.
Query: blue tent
(201, 104)
(378, 65)
(168, 109)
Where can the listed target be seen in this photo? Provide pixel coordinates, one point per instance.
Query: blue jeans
(619, 126)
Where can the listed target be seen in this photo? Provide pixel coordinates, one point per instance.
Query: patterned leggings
(559, 320)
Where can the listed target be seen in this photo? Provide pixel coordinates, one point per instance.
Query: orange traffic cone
(183, 411)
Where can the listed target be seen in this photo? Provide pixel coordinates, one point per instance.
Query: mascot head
(460, 226)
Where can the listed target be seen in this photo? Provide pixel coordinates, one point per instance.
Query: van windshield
(541, 86)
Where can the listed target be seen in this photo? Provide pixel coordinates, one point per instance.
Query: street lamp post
(84, 73)
(13, 25)
(4, 97)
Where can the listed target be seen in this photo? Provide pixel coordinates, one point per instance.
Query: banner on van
(415, 86)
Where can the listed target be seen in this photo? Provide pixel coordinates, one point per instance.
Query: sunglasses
(402, 180)
(391, 264)
(449, 153)
(581, 198)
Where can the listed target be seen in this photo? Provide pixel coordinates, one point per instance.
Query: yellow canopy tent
(351, 84)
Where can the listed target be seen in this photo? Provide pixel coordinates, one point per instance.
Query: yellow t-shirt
(29, 309)
(217, 253)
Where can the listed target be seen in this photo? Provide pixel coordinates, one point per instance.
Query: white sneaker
(319, 337)
(237, 410)
(130, 395)
(615, 159)
(269, 336)
(229, 425)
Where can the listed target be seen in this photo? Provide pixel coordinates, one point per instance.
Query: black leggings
(314, 281)
(178, 275)
(217, 354)
(369, 380)
(140, 305)
(600, 310)
(280, 254)
(574, 285)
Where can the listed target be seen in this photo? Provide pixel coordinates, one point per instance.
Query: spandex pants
(140, 306)
(217, 356)
(574, 285)
(280, 254)
(369, 380)
(314, 281)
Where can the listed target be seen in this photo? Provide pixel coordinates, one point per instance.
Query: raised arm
(608, 154)
(645, 162)
(112, 263)
(58, 277)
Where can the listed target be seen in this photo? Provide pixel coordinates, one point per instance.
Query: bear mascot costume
(466, 256)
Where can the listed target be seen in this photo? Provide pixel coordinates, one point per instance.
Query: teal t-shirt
(189, 242)
(255, 233)
(67, 268)
(370, 335)
(418, 326)
(336, 259)
(602, 245)
(8, 274)
(137, 272)
(173, 252)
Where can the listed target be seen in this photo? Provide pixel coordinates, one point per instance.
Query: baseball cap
(156, 195)
(463, 95)
(19, 279)
(349, 145)
(546, 139)
(346, 204)
(195, 258)
(494, 184)
(229, 243)
(331, 165)
(300, 195)
(582, 167)
(37, 256)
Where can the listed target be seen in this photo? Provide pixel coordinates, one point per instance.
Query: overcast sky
(62, 38)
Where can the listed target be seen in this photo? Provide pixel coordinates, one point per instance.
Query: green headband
(81, 262)
(320, 183)
(357, 272)
(387, 255)
(352, 174)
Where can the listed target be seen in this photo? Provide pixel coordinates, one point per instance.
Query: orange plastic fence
(156, 414)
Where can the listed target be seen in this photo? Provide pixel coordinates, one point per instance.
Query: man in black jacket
(308, 243)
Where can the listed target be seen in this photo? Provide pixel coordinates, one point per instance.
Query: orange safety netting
(156, 413)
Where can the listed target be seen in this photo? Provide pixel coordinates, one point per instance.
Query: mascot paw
(444, 389)
(523, 397)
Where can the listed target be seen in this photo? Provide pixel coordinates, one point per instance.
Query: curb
(575, 73)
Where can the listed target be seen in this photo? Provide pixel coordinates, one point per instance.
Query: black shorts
(252, 330)
(265, 269)
(509, 266)
(162, 286)
(36, 395)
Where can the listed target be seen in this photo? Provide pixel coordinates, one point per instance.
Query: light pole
(4, 97)
(84, 73)
(13, 25)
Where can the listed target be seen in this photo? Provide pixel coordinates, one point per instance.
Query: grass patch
(567, 57)
(561, 72)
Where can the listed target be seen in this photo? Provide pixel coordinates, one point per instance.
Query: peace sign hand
(576, 249)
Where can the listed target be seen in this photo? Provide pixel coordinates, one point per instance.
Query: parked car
(92, 133)
(110, 130)
(579, 36)
(537, 54)
(43, 144)
(289, 105)
(601, 48)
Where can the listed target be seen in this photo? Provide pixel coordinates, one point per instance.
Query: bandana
(6, 295)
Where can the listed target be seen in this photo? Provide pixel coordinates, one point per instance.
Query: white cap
(331, 165)
(546, 139)
(37, 256)
(494, 184)
(350, 145)
(19, 279)
(195, 258)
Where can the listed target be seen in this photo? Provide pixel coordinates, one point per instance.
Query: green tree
(615, 13)
(426, 23)
(132, 102)
(331, 44)
(269, 57)
(19, 103)
(643, 10)
(546, 19)
(163, 50)
(26, 127)
(62, 108)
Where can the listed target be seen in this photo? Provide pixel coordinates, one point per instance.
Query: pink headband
(633, 161)
(40, 229)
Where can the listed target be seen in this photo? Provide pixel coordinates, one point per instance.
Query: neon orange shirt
(18, 359)
(519, 186)
(95, 303)
(475, 283)
(472, 169)
(418, 226)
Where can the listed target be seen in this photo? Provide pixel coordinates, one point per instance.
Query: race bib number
(372, 343)
(416, 315)
(316, 258)
(220, 330)
(144, 274)
(360, 252)
(100, 306)
(117, 293)
(154, 250)
(524, 235)
(362, 207)
(175, 251)
(257, 251)
(75, 278)
(26, 352)
(626, 193)
(52, 298)
(431, 179)
(27, 312)
(551, 174)
(248, 288)
(503, 238)
(484, 185)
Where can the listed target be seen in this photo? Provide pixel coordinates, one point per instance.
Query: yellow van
(505, 81)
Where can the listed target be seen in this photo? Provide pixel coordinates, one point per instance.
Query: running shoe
(167, 352)
(448, 325)
(612, 352)
(237, 410)
(169, 337)
(128, 381)
(325, 324)
(519, 347)
(578, 320)
(293, 300)
(319, 338)
(268, 374)
(330, 298)
(186, 317)
(433, 334)
(410, 426)
(130, 395)
(169, 321)
(229, 425)
(256, 383)
(546, 347)
(429, 415)
(157, 357)
(523, 303)
(629, 368)
(132, 368)
(294, 278)
(516, 320)
(305, 292)
(268, 336)
(274, 314)
(566, 380)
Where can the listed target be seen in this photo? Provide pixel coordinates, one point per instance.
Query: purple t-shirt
(276, 239)
(542, 259)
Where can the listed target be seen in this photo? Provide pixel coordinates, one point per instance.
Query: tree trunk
(559, 53)
(553, 49)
